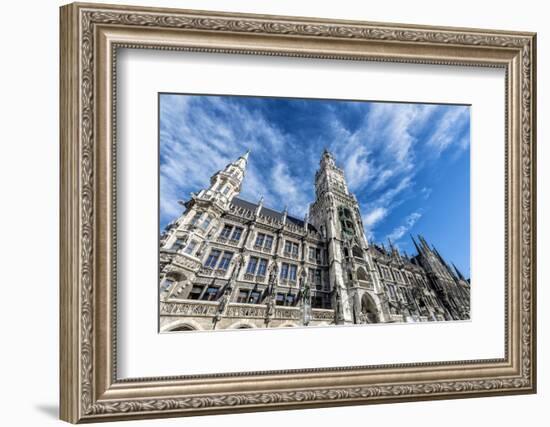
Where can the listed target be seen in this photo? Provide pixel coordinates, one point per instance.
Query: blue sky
(408, 164)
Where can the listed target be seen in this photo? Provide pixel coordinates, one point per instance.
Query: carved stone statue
(306, 293)
(305, 299)
(239, 262)
(270, 307)
(305, 288)
(357, 305)
(338, 307)
(224, 301)
(273, 273)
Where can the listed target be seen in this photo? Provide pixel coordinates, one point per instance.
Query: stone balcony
(288, 282)
(254, 278)
(260, 248)
(205, 271)
(292, 255)
(180, 259)
(227, 241)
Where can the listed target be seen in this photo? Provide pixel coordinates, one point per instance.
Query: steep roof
(271, 213)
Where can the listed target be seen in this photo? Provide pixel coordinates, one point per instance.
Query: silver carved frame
(90, 36)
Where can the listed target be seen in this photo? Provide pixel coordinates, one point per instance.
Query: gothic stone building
(228, 263)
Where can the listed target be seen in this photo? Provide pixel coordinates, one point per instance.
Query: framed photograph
(266, 212)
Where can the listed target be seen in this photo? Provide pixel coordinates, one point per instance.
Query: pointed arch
(182, 325)
(369, 309)
(243, 324)
(182, 328)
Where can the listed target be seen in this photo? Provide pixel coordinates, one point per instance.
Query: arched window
(368, 308)
(345, 212)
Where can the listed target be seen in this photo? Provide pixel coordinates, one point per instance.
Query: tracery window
(206, 222)
(178, 244)
(291, 248)
(191, 247)
(225, 261)
(262, 267)
(212, 259)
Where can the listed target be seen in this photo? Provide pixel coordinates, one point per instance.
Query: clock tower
(357, 293)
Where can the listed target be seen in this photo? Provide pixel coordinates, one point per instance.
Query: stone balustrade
(192, 308)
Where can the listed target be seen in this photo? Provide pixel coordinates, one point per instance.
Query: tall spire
(416, 245)
(393, 249)
(242, 161)
(424, 243)
(434, 249)
(226, 183)
(260, 205)
(285, 214)
(460, 276)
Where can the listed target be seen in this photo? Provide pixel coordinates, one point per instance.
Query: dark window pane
(225, 261)
(262, 267)
(212, 258)
(237, 234)
(252, 265)
(196, 292)
(226, 232)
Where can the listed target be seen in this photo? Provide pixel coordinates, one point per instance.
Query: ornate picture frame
(90, 37)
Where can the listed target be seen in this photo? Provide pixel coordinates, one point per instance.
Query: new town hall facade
(227, 263)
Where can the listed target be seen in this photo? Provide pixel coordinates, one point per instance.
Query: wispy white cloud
(407, 224)
(371, 218)
(447, 128)
(382, 156)
(381, 150)
(290, 189)
(426, 192)
(379, 154)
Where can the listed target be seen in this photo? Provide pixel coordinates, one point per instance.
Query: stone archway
(242, 324)
(182, 328)
(181, 325)
(288, 324)
(369, 310)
